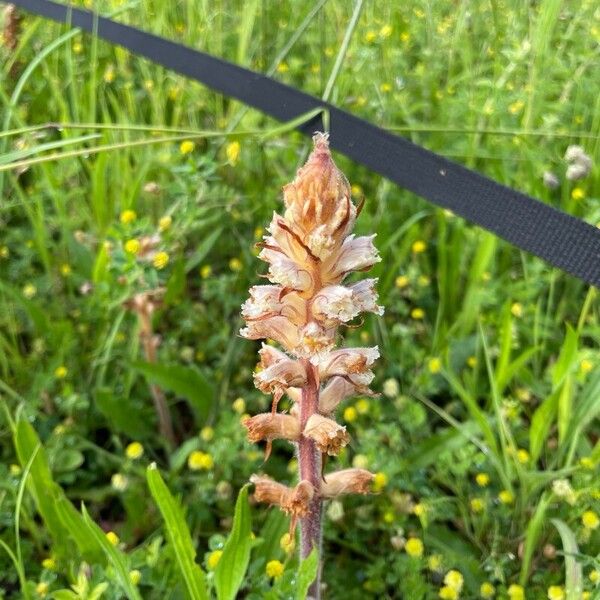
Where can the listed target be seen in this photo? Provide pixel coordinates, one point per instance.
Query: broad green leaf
(233, 564)
(176, 284)
(573, 570)
(307, 573)
(187, 382)
(178, 535)
(115, 557)
(64, 595)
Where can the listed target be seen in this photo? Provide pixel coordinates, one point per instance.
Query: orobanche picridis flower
(310, 250)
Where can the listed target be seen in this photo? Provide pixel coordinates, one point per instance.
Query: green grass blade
(178, 535)
(233, 564)
(573, 570)
(115, 557)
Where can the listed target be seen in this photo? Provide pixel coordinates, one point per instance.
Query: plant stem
(309, 464)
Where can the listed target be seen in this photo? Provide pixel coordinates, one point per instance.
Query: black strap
(558, 238)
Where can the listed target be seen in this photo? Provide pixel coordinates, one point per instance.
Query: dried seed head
(329, 437)
(294, 501)
(348, 481)
(268, 426)
(12, 27)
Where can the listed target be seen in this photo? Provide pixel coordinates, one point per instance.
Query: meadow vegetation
(132, 202)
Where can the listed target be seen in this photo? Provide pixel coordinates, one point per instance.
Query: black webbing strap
(558, 238)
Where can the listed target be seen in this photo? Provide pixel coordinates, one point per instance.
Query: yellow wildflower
(65, 269)
(454, 580)
(447, 593)
(523, 456)
(287, 543)
(213, 559)
(516, 592)
(487, 590)
(112, 537)
(233, 152)
(207, 433)
(283, 67)
(434, 562)
(435, 365)
(517, 310)
(4, 252)
(370, 37)
(135, 576)
(585, 366)
(556, 592)
(350, 414)
(414, 547)
(186, 147)
(360, 461)
(380, 480)
(235, 264)
(61, 372)
(49, 563)
(594, 576)
(239, 405)
(29, 291)
(477, 505)
(274, 569)
(362, 406)
(160, 260)
(198, 460)
(419, 247)
(385, 31)
(578, 194)
(205, 271)
(41, 589)
(516, 107)
(385, 88)
(402, 281)
(506, 497)
(134, 450)
(417, 313)
(128, 216)
(472, 361)
(165, 223)
(590, 519)
(132, 246)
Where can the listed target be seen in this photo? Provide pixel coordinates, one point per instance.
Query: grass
(490, 357)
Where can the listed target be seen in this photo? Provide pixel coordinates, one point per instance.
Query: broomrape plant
(310, 251)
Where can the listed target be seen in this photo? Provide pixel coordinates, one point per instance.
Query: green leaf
(115, 557)
(176, 284)
(532, 537)
(276, 524)
(40, 484)
(233, 564)
(178, 535)
(64, 595)
(187, 382)
(307, 573)
(573, 571)
(119, 414)
(542, 419)
(566, 358)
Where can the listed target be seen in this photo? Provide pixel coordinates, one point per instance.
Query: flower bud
(318, 201)
(348, 481)
(268, 426)
(327, 434)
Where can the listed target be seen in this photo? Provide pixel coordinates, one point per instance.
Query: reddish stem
(309, 463)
